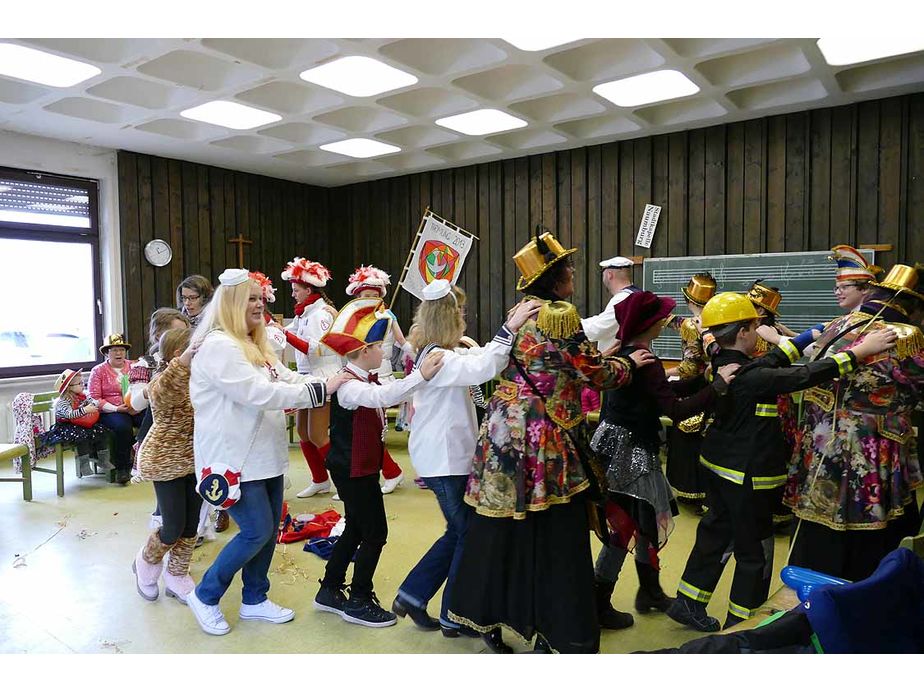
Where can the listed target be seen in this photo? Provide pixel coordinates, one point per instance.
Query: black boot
(692, 613)
(495, 642)
(607, 616)
(649, 595)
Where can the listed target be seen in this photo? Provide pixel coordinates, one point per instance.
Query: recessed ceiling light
(647, 88)
(43, 68)
(482, 122)
(360, 148)
(849, 50)
(358, 76)
(539, 43)
(230, 115)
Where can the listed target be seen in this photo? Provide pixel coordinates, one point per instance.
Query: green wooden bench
(9, 452)
(43, 404)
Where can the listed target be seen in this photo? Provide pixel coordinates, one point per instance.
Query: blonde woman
(238, 390)
(443, 438)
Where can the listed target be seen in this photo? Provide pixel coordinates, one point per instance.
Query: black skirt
(684, 472)
(71, 434)
(533, 575)
(854, 554)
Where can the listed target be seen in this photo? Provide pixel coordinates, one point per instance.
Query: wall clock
(158, 252)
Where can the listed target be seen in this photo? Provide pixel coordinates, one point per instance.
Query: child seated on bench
(77, 423)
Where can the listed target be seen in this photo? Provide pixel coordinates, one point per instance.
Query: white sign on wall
(647, 228)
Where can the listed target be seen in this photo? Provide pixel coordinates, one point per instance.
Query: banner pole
(407, 263)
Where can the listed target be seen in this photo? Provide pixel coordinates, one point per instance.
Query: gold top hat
(701, 288)
(114, 340)
(765, 297)
(534, 258)
(901, 279)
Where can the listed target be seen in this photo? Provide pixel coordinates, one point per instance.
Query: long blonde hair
(439, 322)
(226, 312)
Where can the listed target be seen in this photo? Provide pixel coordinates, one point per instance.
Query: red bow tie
(374, 378)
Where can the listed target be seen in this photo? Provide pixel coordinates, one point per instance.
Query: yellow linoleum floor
(66, 583)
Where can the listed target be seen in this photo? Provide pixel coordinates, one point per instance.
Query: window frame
(59, 234)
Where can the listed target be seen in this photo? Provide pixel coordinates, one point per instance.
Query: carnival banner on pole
(440, 253)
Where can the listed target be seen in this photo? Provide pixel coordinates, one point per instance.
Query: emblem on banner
(438, 261)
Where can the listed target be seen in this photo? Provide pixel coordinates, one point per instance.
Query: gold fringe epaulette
(910, 340)
(692, 425)
(558, 319)
(688, 331)
(762, 347)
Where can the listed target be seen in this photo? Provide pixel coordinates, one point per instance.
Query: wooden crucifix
(240, 242)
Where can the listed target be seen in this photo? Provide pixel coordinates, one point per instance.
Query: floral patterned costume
(525, 461)
(856, 466)
(526, 562)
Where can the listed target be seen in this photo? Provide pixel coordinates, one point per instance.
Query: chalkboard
(806, 281)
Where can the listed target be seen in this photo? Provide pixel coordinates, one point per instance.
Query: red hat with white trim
(368, 277)
(306, 272)
(266, 286)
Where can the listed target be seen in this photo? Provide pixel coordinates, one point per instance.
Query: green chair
(9, 452)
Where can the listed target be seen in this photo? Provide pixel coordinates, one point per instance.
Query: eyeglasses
(841, 288)
(186, 297)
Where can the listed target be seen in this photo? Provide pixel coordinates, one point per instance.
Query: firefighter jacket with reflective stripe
(745, 438)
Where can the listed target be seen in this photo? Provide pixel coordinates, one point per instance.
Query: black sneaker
(366, 611)
(330, 599)
(693, 614)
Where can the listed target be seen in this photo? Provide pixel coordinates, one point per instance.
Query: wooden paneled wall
(197, 209)
(802, 181)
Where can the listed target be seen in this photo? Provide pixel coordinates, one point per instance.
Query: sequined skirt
(634, 472)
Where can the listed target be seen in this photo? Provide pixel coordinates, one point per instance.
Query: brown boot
(177, 582)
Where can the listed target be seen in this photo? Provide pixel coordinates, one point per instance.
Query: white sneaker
(156, 521)
(391, 484)
(266, 611)
(313, 488)
(210, 618)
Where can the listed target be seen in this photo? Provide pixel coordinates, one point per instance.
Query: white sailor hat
(617, 262)
(436, 290)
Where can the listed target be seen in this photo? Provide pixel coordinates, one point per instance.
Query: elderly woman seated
(108, 386)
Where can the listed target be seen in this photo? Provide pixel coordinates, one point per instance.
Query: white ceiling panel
(135, 103)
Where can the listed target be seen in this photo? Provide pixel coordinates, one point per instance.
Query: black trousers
(741, 518)
(365, 533)
(179, 504)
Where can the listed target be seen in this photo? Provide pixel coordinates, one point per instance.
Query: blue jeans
(251, 550)
(441, 562)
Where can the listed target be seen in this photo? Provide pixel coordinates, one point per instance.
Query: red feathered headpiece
(306, 272)
(368, 277)
(266, 286)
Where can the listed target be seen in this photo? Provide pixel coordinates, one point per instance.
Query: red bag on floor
(294, 531)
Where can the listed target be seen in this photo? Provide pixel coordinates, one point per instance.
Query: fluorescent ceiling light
(230, 115)
(538, 43)
(5, 188)
(849, 50)
(482, 122)
(358, 76)
(648, 88)
(43, 68)
(83, 199)
(360, 148)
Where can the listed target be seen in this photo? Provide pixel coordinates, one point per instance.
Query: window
(50, 312)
